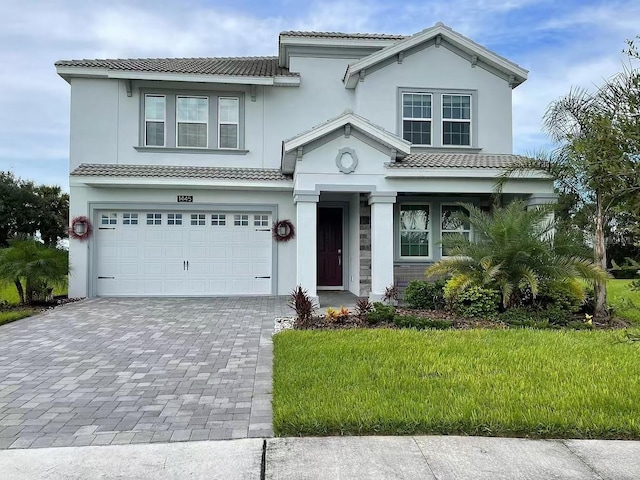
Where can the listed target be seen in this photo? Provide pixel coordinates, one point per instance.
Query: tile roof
(241, 66)
(355, 36)
(117, 170)
(456, 160)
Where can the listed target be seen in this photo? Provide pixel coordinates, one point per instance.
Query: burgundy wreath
(283, 231)
(80, 228)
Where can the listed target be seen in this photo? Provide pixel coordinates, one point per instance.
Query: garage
(183, 253)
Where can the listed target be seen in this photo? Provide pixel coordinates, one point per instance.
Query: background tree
(26, 209)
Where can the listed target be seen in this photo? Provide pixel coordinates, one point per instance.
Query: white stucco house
(364, 141)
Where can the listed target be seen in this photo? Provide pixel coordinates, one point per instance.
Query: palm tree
(514, 250)
(33, 267)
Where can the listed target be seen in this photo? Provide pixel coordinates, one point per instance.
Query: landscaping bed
(521, 382)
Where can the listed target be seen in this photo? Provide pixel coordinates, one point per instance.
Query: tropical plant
(303, 305)
(33, 268)
(514, 251)
(597, 159)
(363, 308)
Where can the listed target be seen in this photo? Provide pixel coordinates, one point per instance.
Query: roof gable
(437, 33)
(293, 148)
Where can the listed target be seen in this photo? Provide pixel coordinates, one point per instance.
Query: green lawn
(625, 301)
(12, 316)
(8, 293)
(578, 384)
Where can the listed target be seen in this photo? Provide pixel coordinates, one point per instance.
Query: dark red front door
(329, 247)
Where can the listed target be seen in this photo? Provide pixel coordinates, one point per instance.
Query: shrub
(635, 285)
(421, 323)
(477, 302)
(337, 314)
(629, 269)
(542, 319)
(381, 313)
(303, 305)
(425, 295)
(363, 308)
(568, 295)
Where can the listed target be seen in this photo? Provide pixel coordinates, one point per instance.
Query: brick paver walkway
(118, 371)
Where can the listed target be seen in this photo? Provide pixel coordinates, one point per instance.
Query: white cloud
(572, 45)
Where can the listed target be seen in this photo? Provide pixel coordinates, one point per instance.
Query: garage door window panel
(218, 220)
(109, 219)
(198, 219)
(130, 219)
(154, 219)
(174, 219)
(241, 220)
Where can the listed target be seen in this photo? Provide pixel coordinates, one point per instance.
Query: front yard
(522, 382)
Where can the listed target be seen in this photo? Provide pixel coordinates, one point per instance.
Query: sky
(563, 43)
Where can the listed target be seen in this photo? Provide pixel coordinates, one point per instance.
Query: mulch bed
(321, 322)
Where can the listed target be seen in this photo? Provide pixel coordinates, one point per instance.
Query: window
(192, 117)
(130, 219)
(241, 220)
(415, 231)
(218, 219)
(261, 220)
(416, 118)
(109, 219)
(174, 219)
(228, 121)
(154, 219)
(451, 224)
(456, 120)
(198, 219)
(154, 120)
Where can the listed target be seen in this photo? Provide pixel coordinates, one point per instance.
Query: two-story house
(365, 142)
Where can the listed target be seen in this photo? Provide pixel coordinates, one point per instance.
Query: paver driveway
(117, 371)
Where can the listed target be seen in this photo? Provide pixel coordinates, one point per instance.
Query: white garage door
(183, 253)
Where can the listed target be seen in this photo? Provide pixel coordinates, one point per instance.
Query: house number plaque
(185, 198)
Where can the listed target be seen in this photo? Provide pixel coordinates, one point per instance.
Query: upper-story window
(437, 117)
(417, 118)
(228, 120)
(192, 114)
(155, 110)
(192, 121)
(456, 120)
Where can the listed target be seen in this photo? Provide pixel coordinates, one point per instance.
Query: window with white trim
(228, 122)
(192, 121)
(417, 118)
(451, 223)
(174, 219)
(218, 220)
(415, 231)
(154, 219)
(456, 120)
(109, 219)
(198, 219)
(155, 111)
(241, 220)
(130, 219)
(261, 220)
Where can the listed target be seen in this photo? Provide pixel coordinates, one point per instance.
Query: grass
(12, 316)
(625, 301)
(546, 384)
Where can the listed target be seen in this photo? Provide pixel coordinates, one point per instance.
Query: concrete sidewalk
(425, 457)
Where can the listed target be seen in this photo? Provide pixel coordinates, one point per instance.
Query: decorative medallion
(347, 160)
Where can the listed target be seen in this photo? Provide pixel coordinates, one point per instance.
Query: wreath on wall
(283, 231)
(80, 228)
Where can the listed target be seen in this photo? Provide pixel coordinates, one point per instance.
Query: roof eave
(95, 72)
(163, 182)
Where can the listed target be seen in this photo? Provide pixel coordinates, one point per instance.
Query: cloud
(562, 44)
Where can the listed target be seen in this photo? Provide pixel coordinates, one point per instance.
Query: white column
(381, 243)
(306, 243)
